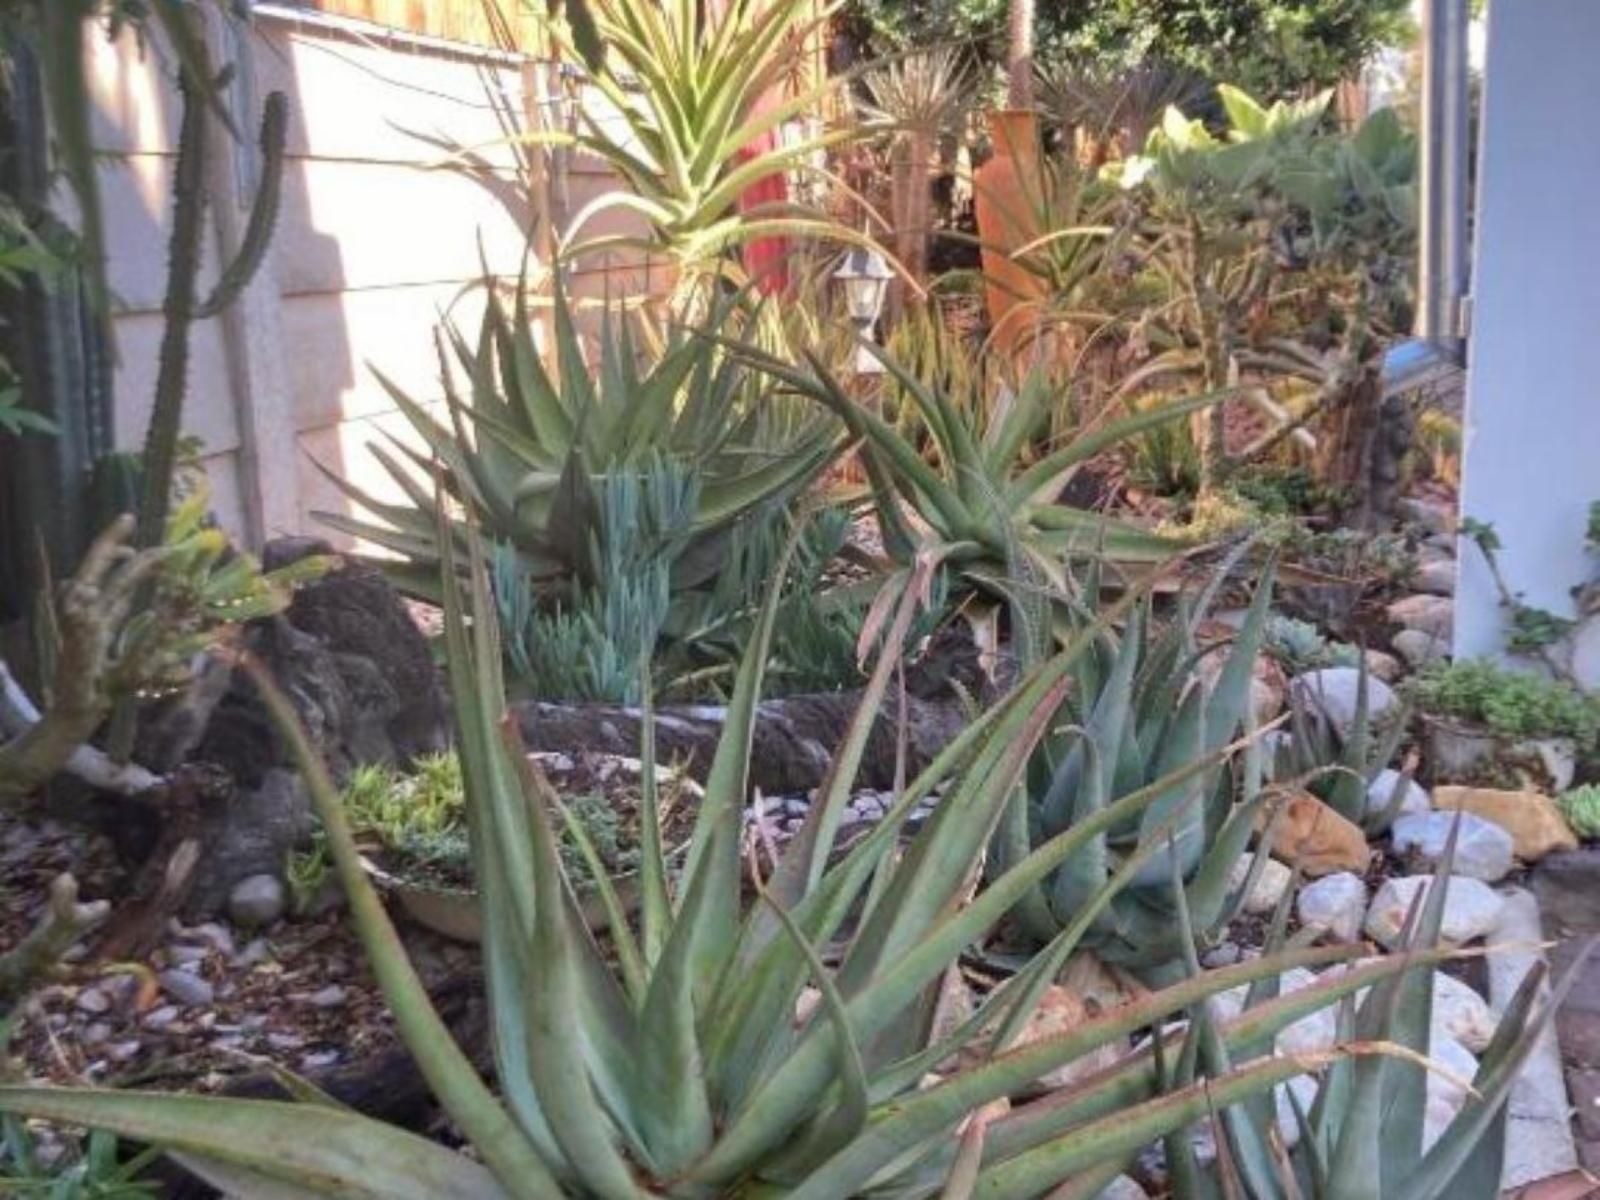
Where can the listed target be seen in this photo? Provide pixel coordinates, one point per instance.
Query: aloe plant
(1140, 712)
(1340, 764)
(1362, 1135)
(531, 450)
(700, 95)
(993, 510)
(679, 1064)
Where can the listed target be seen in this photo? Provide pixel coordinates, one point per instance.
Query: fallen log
(795, 736)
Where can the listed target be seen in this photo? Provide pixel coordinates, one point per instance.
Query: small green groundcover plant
(1515, 704)
(418, 820)
(1581, 807)
(93, 1171)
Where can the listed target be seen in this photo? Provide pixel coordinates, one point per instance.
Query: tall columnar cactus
(182, 306)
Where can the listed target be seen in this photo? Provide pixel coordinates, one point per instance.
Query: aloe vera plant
(1360, 1132)
(1140, 712)
(530, 449)
(680, 1065)
(700, 94)
(995, 512)
(1340, 764)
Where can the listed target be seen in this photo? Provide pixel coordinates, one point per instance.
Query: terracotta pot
(1004, 196)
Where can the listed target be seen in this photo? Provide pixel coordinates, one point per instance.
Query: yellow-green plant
(679, 1065)
(695, 95)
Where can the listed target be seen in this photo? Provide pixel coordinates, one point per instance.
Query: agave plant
(694, 88)
(1340, 764)
(1139, 712)
(1360, 1131)
(681, 1065)
(529, 451)
(995, 512)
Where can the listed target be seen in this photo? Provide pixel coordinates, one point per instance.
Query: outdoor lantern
(865, 277)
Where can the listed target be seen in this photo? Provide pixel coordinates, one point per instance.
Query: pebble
(93, 1001)
(285, 1041)
(256, 952)
(123, 1051)
(1470, 909)
(95, 1033)
(257, 901)
(1224, 955)
(1419, 648)
(216, 935)
(1436, 576)
(318, 1060)
(160, 1018)
(1333, 691)
(181, 953)
(1337, 903)
(331, 996)
(1483, 849)
(1424, 613)
(187, 988)
(1269, 887)
(1380, 793)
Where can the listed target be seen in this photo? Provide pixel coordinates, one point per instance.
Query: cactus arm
(183, 268)
(263, 211)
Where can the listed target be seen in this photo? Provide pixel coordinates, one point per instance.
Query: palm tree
(1019, 58)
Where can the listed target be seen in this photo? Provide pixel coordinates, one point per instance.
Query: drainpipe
(1437, 352)
(1442, 270)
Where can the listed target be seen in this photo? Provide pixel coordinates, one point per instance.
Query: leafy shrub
(1516, 704)
(1581, 807)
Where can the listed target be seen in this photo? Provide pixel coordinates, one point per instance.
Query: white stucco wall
(374, 244)
(1532, 456)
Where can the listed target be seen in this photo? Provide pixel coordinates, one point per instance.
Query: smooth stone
(1483, 849)
(1380, 793)
(1436, 518)
(1461, 1013)
(1337, 903)
(1470, 909)
(1270, 884)
(160, 1018)
(1436, 576)
(257, 901)
(1427, 614)
(1532, 820)
(1446, 1093)
(1419, 648)
(1383, 666)
(1309, 833)
(329, 997)
(93, 1001)
(187, 988)
(1123, 1188)
(1333, 691)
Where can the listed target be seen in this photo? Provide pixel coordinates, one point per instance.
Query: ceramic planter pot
(1003, 189)
(455, 913)
(1458, 750)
